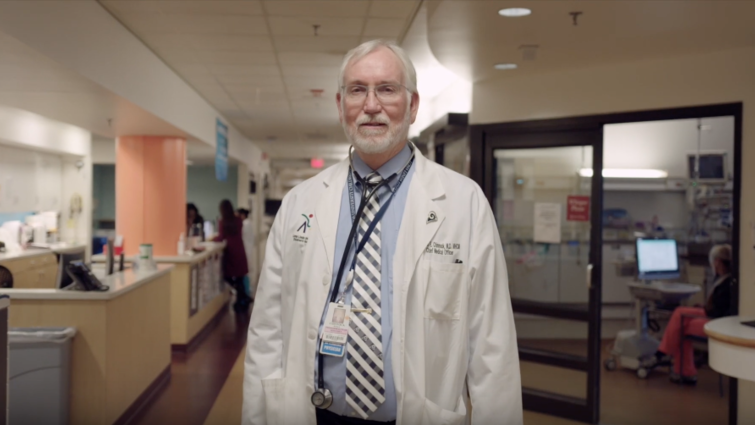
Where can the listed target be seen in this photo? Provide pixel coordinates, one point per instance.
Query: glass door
(546, 195)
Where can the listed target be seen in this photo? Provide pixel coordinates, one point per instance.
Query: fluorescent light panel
(627, 173)
(514, 12)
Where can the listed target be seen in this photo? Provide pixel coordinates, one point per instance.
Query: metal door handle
(589, 276)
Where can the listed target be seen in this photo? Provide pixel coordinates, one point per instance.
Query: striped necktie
(365, 387)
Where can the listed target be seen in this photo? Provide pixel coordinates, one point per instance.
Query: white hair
(364, 49)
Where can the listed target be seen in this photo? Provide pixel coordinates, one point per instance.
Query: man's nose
(371, 103)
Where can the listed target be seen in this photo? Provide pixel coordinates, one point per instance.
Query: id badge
(336, 330)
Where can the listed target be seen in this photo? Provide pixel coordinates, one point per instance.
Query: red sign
(577, 208)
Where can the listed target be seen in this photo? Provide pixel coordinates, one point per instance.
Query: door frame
(481, 171)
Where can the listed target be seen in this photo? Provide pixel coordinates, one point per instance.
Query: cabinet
(38, 271)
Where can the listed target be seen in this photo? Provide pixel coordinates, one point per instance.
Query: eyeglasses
(385, 93)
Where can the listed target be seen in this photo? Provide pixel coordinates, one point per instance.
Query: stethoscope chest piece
(322, 398)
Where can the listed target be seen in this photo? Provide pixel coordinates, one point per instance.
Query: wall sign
(221, 151)
(577, 208)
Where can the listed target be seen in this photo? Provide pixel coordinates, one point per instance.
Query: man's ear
(414, 106)
(340, 106)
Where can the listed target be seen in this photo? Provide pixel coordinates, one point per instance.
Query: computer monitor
(657, 259)
(63, 261)
(711, 167)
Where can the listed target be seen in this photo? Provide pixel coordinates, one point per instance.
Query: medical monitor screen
(712, 167)
(657, 259)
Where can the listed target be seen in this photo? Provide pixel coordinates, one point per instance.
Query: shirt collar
(394, 166)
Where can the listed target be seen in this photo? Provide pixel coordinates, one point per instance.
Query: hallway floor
(206, 384)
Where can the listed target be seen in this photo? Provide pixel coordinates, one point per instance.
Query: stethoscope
(322, 398)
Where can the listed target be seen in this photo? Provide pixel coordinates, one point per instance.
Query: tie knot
(373, 179)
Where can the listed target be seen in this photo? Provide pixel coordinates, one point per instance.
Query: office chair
(6, 278)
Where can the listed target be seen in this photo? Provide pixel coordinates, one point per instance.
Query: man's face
(374, 126)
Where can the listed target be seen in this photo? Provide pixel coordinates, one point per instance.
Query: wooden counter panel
(88, 354)
(179, 303)
(198, 321)
(120, 348)
(138, 343)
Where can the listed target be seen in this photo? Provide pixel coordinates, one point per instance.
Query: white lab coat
(453, 326)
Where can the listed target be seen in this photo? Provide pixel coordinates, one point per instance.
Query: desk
(198, 292)
(36, 267)
(121, 350)
(731, 347)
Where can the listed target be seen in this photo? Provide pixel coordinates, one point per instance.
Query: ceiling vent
(529, 51)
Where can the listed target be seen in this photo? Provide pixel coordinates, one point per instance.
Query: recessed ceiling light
(503, 66)
(514, 12)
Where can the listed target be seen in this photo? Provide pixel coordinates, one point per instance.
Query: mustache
(373, 119)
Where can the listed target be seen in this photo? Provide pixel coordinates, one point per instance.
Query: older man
(410, 251)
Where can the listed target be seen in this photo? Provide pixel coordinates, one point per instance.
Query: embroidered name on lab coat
(449, 249)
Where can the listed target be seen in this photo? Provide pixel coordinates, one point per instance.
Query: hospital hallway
(206, 387)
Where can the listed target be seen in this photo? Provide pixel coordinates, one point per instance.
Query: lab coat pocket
(274, 389)
(435, 415)
(443, 290)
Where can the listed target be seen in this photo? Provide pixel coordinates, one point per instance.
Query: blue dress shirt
(334, 368)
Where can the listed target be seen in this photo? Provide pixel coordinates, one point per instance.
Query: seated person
(717, 305)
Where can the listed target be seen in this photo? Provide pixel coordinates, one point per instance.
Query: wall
(206, 192)
(704, 79)
(29, 180)
(103, 150)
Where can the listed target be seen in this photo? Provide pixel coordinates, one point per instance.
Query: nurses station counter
(121, 352)
(36, 267)
(198, 292)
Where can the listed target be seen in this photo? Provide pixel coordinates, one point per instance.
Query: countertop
(191, 257)
(60, 248)
(120, 283)
(731, 331)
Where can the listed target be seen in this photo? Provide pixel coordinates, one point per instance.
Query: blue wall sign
(221, 152)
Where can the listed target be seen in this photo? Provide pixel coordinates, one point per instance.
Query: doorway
(531, 171)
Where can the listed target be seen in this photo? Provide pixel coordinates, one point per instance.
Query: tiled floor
(206, 388)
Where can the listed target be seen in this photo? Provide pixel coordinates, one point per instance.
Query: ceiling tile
(251, 70)
(198, 80)
(303, 26)
(401, 9)
(321, 44)
(204, 7)
(237, 43)
(147, 22)
(192, 69)
(384, 27)
(250, 96)
(333, 8)
(215, 24)
(132, 6)
(279, 104)
(177, 56)
(235, 58)
(310, 71)
(310, 58)
(259, 81)
(165, 41)
(326, 83)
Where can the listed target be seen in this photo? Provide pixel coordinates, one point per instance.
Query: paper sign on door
(547, 223)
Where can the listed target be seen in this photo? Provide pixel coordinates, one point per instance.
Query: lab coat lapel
(327, 210)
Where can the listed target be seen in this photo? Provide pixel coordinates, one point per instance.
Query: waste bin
(40, 375)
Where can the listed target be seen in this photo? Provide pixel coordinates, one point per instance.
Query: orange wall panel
(150, 192)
